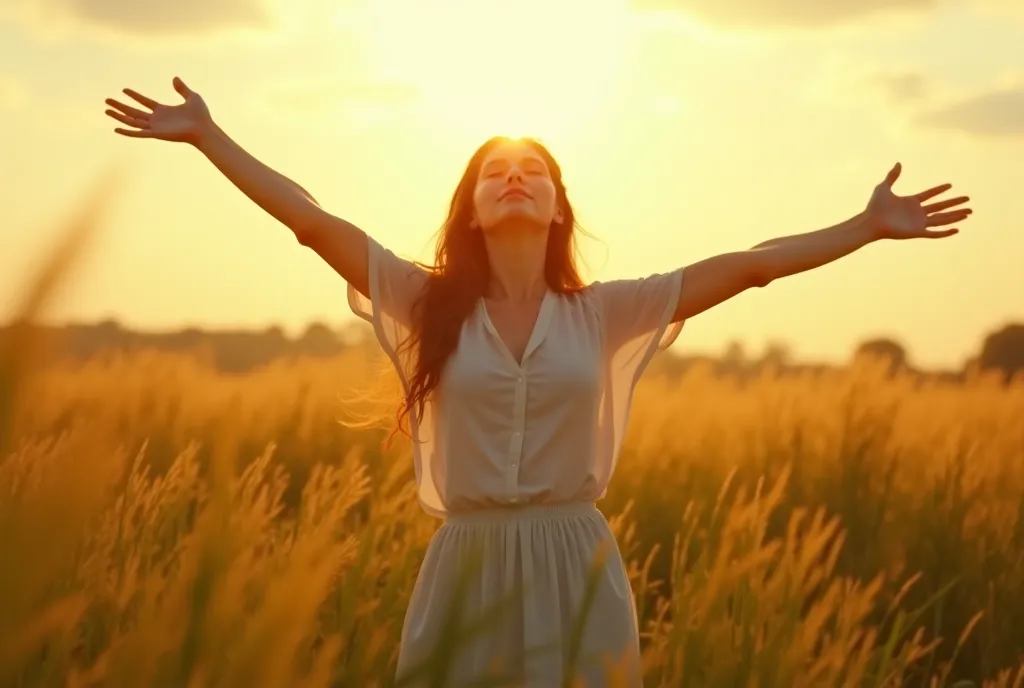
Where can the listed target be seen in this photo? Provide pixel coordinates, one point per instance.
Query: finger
(127, 109)
(179, 86)
(941, 234)
(135, 133)
(942, 205)
(148, 102)
(893, 175)
(130, 121)
(933, 192)
(940, 219)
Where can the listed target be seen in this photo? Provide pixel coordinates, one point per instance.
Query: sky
(684, 128)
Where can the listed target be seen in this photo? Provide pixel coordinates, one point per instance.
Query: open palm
(182, 123)
(906, 217)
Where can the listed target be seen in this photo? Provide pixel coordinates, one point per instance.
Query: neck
(517, 264)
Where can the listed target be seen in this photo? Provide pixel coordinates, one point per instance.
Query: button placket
(516, 444)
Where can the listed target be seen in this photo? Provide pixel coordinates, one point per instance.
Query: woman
(518, 380)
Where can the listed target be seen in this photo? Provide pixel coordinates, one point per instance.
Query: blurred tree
(883, 348)
(1004, 350)
(276, 334)
(735, 354)
(734, 359)
(777, 355)
(319, 340)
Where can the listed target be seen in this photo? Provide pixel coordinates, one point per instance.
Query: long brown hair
(461, 273)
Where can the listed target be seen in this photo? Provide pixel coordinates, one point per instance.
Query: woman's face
(514, 189)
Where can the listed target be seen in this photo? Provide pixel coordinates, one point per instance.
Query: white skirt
(519, 600)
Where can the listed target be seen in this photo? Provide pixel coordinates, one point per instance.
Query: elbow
(304, 217)
(760, 279)
(306, 228)
(760, 272)
(303, 235)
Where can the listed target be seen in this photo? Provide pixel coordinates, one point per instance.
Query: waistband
(525, 512)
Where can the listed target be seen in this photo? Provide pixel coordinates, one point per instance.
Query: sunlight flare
(534, 68)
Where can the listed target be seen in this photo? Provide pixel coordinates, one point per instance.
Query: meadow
(166, 524)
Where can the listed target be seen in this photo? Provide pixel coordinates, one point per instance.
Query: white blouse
(498, 433)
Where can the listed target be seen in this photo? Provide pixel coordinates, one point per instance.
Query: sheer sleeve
(394, 285)
(636, 322)
(636, 319)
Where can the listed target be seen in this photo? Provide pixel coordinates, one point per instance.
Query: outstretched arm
(340, 243)
(887, 216)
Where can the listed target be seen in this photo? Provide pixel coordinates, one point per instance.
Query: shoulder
(584, 302)
(580, 296)
(590, 295)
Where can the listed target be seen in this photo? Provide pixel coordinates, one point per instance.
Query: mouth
(513, 193)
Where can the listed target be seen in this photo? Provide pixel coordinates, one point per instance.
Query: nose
(514, 174)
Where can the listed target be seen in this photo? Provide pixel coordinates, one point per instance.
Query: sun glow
(533, 67)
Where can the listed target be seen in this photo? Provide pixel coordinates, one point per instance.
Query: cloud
(155, 18)
(995, 113)
(900, 89)
(856, 82)
(923, 102)
(800, 14)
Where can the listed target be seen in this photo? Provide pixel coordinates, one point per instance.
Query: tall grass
(163, 524)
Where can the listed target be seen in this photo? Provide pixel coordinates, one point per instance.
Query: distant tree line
(1002, 350)
(240, 351)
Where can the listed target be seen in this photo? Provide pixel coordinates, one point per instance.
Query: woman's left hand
(908, 217)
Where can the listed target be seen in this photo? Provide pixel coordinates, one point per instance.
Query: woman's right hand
(184, 123)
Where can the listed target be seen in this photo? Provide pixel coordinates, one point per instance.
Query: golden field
(165, 524)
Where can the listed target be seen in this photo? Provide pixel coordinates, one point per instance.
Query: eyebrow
(528, 159)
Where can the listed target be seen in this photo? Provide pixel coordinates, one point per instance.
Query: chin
(518, 221)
